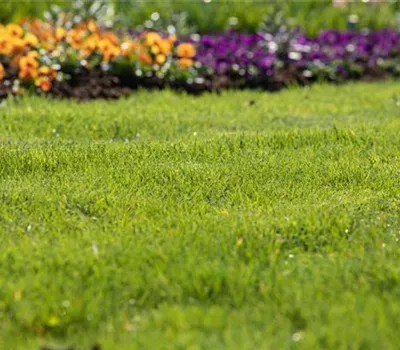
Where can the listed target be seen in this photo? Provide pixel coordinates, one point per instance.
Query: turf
(243, 221)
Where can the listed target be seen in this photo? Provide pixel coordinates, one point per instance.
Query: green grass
(178, 222)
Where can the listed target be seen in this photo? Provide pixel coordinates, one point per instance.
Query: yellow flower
(186, 50)
(15, 30)
(155, 50)
(90, 44)
(151, 38)
(105, 45)
(31, 39)
(60, 34)
(5, 47)
(172, 39)
(44, 83)
(92, 26)
(28, 66)
(2, 72)
(49, 46)
(160, 59)
(185, 62)
(127, 47)
(17, 44)
(47, 72)
(3, 32)
(32, 54)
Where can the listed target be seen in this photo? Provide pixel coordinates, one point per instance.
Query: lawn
(164, 221)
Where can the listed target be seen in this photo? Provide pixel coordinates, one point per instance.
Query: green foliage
(242, 221)
(176, 23)
(217, 15)
(81, 10)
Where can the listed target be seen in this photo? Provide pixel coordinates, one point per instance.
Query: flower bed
(86, 61)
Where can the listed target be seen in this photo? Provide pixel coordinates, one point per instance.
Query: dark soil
(90, 85)
(95, 84)
(4, 91)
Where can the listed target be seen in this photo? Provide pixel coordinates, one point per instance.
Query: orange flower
(165, 46)
(108, 50)
(31, 39)
(47, 72)
(15, 30)
(185, 62)
(2, 72)
(111, 37)
(75, 38)
(44, 83)
(109, 55)
(47, 36)
(105, 45)
(186, 50)
(27, 74)
(145, 58)
(36, 24)
(24, 20)
(160, 59)
(16, 59)
(28, 62)
(151, 38)
(81, 27)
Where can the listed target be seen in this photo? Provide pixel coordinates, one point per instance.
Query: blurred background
(201, 16)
